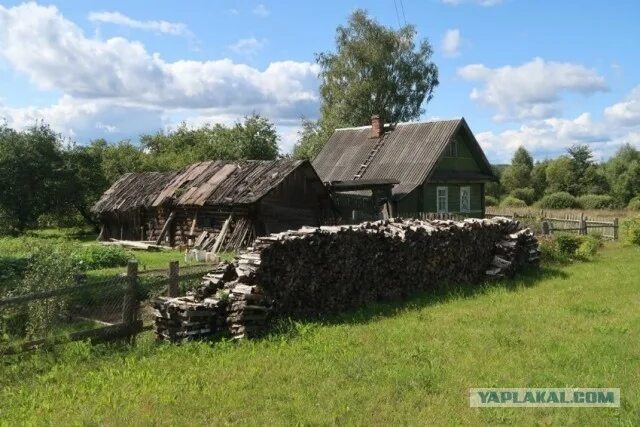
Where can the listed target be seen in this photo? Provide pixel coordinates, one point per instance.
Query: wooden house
(219, 203)
(437, 166)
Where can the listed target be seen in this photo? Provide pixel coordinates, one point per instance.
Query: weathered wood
(221, 235)
(105, 333)
(174, 278)
(131, 244)
(165, 227)
(130, 303)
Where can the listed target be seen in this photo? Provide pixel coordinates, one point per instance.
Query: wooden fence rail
(130, 321)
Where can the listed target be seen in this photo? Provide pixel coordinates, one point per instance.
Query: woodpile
(234, 234)
(182, 319)
(517, 251)
(322, 270)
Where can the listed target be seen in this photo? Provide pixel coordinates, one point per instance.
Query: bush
(589, 245)
(631, 230)
(596, 201)
(490, 201)
(560, 200)
(568, 244)
(91, 257)
(567, 247)
(634, 204)
(512, 202)
(526, 194)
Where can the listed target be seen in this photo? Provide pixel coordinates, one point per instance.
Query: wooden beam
(221, 235)
(165, 227)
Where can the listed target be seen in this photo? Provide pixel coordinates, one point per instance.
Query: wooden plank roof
(408, 153)
(214, 182)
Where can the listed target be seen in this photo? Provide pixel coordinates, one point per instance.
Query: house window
(465, 199)
(443, 199)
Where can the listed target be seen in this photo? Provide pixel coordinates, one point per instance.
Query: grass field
(410, 363)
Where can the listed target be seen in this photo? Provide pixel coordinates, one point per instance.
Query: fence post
(583, 224)
(174, 272)
(545, 228)
(130, 303)
(615, 228)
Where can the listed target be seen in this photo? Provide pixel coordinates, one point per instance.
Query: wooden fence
(99, 311)
(551, 221)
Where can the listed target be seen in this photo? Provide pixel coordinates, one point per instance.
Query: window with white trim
(442, 201)
(465, 199)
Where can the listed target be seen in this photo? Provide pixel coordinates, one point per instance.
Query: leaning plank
(165, 227)
(221, 235)
(131, 244)
(105, 333)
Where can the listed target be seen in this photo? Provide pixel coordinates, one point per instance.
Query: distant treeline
(572, 180)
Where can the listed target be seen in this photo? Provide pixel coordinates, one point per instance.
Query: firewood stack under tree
(324, 270)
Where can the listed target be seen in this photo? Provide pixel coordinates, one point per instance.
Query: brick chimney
(377, 126)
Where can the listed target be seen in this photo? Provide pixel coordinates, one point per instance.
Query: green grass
(409, 363)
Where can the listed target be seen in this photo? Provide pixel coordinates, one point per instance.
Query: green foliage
(51, 267)
(567, 247)
(631, 230)
(526, 194)
(568, 244)
(375, 70)
(491, 201)
(512, 202)
(596, 201)
(92, 257)
(312, 137)
(539, 178)
(589, 246)
(623, 173)
(559, 175)
(518, 175)
(634, 204)
(560, 200)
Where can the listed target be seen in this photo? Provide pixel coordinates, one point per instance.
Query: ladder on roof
(370, 157)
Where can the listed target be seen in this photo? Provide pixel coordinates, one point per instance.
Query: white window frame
(439, 208)
(468, 189)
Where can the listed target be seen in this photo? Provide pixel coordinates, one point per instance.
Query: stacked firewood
(323, 270)
(248, 312)
(515, 252)
(182, 319)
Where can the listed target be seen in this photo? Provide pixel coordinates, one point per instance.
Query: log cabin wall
(300, 199)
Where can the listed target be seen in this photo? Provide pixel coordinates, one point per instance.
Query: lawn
(410, 363)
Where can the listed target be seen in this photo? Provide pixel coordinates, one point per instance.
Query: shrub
(560, 200)
(596, 201)
(512, 202)
(634, 204)
(588, 247)
(526, 194)
(568, 244)
(549, 251)
(490, 201)
(91, 257)
(631, 230)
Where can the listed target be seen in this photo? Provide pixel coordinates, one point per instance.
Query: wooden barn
(214, 205)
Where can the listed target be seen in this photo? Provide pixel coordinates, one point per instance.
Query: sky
(542, 74)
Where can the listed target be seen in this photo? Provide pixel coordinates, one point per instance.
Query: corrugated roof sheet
(408, 155)
(211, 182)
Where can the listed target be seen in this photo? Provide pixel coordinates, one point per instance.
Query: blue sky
(545, 75)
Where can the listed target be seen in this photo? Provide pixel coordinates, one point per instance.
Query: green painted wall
(465, 161)
(411, 203)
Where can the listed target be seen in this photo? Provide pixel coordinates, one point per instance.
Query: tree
(518, 175)
(312, 137)
(32, 174)
(539, 178)
(256, 137)
(375, 70)
(623, 174)
(560, 175)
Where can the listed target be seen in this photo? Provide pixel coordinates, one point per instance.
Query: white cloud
(627, 112)
(115, 88)
(478, 2)
(451, 43)
(117, 18)
(248, 46)
(552, 136)
(33, 39)
(531, 90)
(261, 10)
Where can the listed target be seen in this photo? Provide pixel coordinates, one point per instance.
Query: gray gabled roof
(407, 153)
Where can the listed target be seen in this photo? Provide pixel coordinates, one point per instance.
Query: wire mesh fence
(95, 309)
